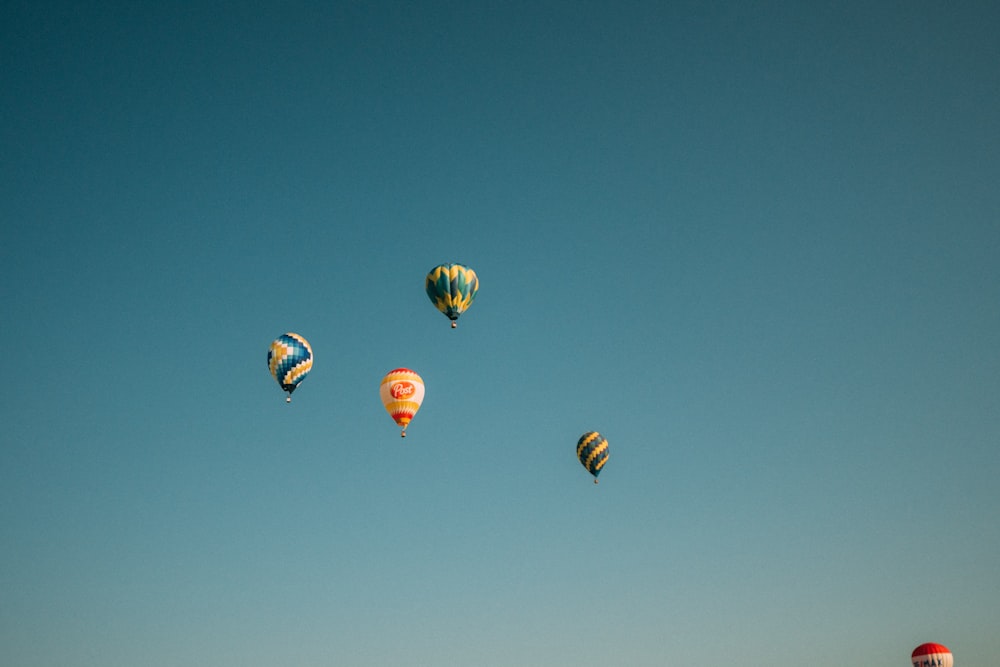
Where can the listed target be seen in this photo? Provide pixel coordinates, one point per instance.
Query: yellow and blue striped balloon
(592, 450)
(290, 358)
(451, 288)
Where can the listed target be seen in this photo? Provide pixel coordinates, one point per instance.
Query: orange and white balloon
(402, 392)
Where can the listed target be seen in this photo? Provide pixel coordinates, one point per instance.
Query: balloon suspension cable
(454, 324)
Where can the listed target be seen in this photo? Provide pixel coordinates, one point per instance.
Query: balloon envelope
(402, 392)
(931, 655)
(592, 450)
(290, 358)
(451, 288)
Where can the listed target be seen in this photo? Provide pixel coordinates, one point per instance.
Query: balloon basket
(402, 434)
(454, 325)
(595, 481)
(288, 399)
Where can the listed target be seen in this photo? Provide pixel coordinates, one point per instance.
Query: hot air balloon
(592, 450)
(290, 358)
(932, 655)
(402, 392)
(451, 288)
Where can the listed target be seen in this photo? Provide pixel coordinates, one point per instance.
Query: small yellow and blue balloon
(402, 392)
(290, 358)
(592, 450)
(451, 288)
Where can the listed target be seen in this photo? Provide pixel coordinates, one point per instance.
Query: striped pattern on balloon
(402, 392)
(592, 450)
(932, 655)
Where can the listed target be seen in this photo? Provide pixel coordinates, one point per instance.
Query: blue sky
(756, 246)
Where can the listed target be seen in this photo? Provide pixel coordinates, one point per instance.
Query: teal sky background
(756, 245)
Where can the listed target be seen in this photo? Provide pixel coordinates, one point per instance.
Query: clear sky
(756, 245)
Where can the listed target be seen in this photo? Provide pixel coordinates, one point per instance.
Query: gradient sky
(756, 245)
